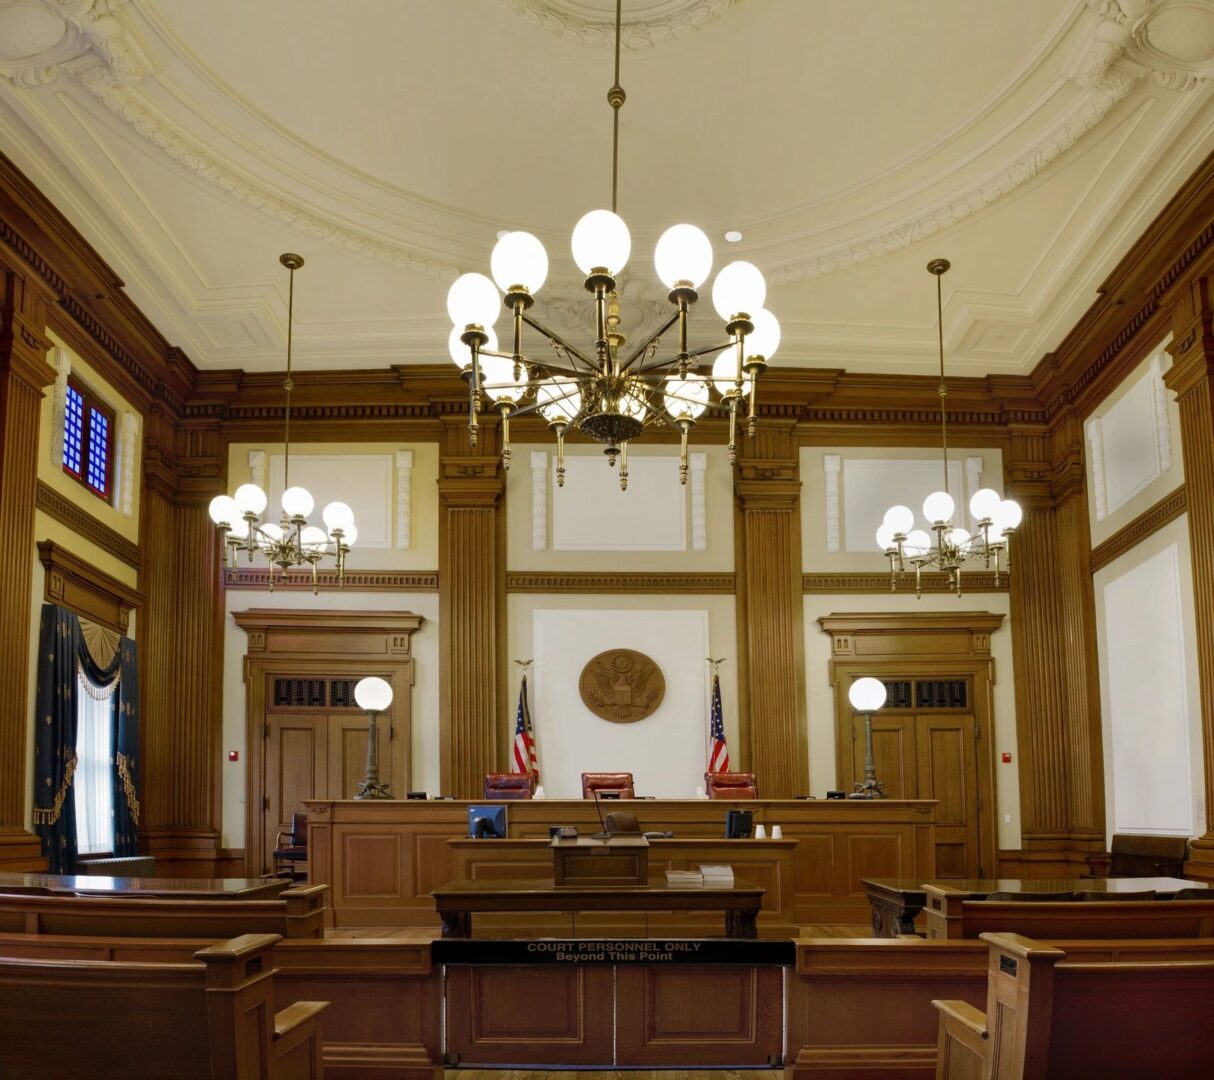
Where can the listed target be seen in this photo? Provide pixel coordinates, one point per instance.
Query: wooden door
(297, 768)
(347, 753)
(947, 763)
(895, 751)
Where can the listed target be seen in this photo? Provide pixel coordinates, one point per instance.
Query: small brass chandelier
(292, 541)
(996, 518)
(605, 392)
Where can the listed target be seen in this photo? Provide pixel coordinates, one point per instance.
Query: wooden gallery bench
(861, 1008)
(1048, 1015)
(293, 913)
(950, 915)
(213, 1019)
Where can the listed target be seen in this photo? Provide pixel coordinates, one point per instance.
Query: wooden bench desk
(169, 888)
(457, 900)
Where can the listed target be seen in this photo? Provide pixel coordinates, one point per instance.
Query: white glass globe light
(983, 504)
(683, 254)
(313, 538)
(866, 694)
(601, 241)
(959, 537)
(498, 378)
(461, 354)
(885, 537)
(739, 289)
(559, 400)
(917, 543)
(632, 402)
(938, 506)
(297, 502)
(473, 299)
(337, 515)
(1008, 515)
(899, 518)
(686, 398)
(271, 534)
(373, 694)
(519, 259)
(250, 499)
(725, 370)
(764, 340)
(224, 511)
(348, 536)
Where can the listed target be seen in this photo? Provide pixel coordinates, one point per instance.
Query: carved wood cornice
(80, 521)
(287, 631)
(246, 579)
(979, 581)
(869, 635)
(79, 586)
(1149, 522)
(630, 582)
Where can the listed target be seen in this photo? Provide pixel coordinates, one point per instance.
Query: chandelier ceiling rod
(939, 267)
(292, 263)
(616, 98)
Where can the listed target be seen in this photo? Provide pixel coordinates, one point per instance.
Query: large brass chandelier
(952, 546)
(290, 542)
(606, 392)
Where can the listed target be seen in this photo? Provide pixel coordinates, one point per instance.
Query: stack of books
(717, 877)
(688, 878)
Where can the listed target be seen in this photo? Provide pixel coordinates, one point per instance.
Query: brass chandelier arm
(572, 350)
(641, 350)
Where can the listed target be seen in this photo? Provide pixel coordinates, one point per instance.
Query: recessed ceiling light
(502, 232)
(733, 236)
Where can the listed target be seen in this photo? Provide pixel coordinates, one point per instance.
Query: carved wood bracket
(75, 584)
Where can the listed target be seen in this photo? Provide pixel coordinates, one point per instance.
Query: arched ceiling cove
(388, 141)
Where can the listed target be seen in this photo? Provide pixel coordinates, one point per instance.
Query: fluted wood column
(1191, 377)
(24, 373)
(471, 609)
(770, 612)
(180, 635)
(1055, 660)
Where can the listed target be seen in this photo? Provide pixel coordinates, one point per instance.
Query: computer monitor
(737, 824)
(487, 822)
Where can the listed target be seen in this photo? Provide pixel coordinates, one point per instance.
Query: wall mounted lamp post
(867, 695)
(374, 695)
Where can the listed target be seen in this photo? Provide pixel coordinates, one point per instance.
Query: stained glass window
(88, 436)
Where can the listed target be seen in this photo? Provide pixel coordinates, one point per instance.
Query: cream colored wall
(820, 696)
(1182, 747)
(52, 473)
(722, 636)
(422, 554)
(1168, 479)
(718, 507)
(424, 768)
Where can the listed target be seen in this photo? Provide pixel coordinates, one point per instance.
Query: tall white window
(93, 782)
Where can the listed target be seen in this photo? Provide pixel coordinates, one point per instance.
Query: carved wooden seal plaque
(622, 686)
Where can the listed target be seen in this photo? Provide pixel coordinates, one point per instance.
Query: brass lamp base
(372, 789)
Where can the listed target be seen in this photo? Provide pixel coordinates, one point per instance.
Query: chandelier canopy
(996, 518)
(291, 541)
(606, 392)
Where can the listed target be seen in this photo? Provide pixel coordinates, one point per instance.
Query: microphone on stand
(606, 833)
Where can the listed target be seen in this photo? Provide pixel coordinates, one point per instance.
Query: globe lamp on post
(867, 695)
(374, 695)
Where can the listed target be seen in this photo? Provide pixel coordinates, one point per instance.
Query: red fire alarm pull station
(1007, 757)
(234, 755)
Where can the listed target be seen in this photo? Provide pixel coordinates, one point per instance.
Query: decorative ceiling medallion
(1173, 38)
(622, 686)
(647, 23)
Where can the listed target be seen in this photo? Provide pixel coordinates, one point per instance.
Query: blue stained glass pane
(73, 430)
(99, 450)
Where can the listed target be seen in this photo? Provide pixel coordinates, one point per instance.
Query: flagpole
(716, 667)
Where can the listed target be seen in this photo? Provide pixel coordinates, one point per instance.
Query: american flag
(524, 737)
(718, 756)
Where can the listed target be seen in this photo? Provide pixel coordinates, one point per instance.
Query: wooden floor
(422, 933)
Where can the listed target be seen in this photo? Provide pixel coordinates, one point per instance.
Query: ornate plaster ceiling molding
(645, 24)
(1174, 39)
(37, 37)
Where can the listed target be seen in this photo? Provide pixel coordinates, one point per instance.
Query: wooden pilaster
(471, 608)
(24, 373)
(1191, 378)
(771, 616)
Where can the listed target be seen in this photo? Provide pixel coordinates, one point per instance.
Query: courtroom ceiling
(1030, 141)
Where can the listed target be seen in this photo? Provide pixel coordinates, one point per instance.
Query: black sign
(619, 950)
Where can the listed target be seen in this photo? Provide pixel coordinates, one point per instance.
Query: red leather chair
(510, 785)
(730, 785)
(608, 782)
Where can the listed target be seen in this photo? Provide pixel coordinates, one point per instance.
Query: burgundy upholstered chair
(510, 785)
(607, 783)
(730, 785)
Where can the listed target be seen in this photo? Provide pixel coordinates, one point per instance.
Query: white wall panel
(872, 485)
(665, 752)
(591, 513)
(1130, 441)
(364, 481)
(1146, 698)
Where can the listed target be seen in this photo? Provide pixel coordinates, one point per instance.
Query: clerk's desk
(382, 859)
